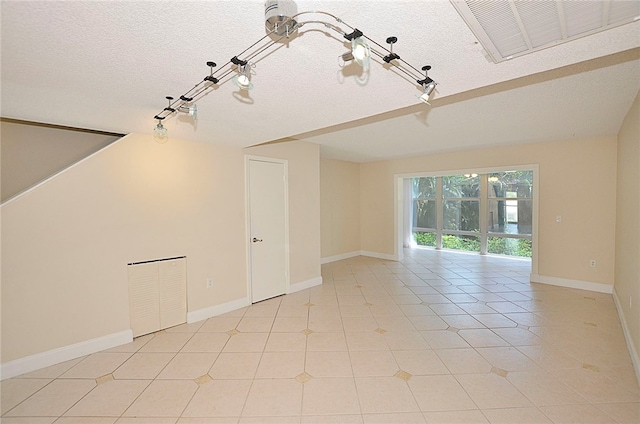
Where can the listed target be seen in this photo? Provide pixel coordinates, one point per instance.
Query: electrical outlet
(592, 263)
(209, 283)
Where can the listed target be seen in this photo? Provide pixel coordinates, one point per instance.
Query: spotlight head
(428, 89)
(243, 82)
(243, 79)
(160, 133)
(361, 51)
(424, 99)
(192, 111)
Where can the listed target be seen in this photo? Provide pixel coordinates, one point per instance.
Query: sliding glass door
(485, 213)
(510, 213)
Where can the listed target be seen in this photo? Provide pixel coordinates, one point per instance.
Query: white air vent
(510, 28)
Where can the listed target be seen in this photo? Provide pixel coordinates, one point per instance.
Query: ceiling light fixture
(428, 84)
(282, 21)
(360, 50)
(243, 79)
(160, 133)
(192, 111)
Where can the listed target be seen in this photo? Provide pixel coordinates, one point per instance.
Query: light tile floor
(437, 338)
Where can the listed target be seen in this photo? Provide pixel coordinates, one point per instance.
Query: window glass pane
(424, 213)
(423, 187)
(425, 239)
(518, 183)
(510, 216)
(461, 186)
(468, 243)
(461, 215)
(509, 246)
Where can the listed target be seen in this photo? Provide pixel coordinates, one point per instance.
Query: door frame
(247, 191)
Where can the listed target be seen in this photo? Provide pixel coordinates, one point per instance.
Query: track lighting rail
(242, 62)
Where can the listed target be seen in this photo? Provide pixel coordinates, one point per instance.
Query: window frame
(483, 233)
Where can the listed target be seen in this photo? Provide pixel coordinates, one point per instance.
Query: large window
(461, 212)
(510, 212)
(487, 213)
(424, 203)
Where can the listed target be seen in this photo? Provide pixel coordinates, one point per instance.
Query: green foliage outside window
(425, 239)
(496, 245)
(466, 243)
(509, 246)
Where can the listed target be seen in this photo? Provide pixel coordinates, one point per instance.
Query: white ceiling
(108, 66)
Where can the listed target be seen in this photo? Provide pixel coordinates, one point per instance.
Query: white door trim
(248, 159)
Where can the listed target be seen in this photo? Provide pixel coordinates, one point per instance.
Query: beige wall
(304, 205)
(627, 264)
(31, 153)
(66, 244)
(339, 207)
(577, 181)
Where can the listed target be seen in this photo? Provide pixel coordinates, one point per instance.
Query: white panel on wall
(157, 295)
(144, 305)
(173, 294)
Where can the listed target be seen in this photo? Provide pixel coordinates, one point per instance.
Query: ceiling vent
(511, 28)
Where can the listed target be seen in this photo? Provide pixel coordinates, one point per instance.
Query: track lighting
(192, 111)
(210, 77)
(388, 58)
(282, 21)
(278, 17)
(243, 79)
(160, 133)
(428, 84)
(427, 92)
(360, 50)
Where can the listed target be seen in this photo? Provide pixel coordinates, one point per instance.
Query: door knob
(256, 240)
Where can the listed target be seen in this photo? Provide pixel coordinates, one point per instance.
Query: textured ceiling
(108, 66)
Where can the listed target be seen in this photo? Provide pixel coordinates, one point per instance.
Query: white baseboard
(305, 284)
(62, 354)
(212, 311)
(341, 257)
(348, 255)
(379, 255)
(635, 356)
(573, 284)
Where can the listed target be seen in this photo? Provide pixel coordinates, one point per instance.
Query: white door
(267, 229)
